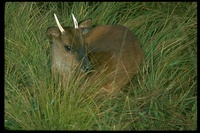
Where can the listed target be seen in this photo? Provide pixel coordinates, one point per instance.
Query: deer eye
(67, 48)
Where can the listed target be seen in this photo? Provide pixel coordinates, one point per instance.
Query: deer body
(110, 49)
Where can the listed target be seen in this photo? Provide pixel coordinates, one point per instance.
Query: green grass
(163, 96)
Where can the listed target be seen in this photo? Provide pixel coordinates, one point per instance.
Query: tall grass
(163, 96)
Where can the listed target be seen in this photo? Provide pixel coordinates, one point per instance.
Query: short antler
(75, 22)
(59, 25)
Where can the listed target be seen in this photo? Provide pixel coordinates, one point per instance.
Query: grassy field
(163, 96)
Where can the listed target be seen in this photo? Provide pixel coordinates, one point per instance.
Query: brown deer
(111, 50)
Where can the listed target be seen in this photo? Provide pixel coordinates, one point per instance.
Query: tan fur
(113, 51)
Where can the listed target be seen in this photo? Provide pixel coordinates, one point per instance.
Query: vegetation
(163, 96)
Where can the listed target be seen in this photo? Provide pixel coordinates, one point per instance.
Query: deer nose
(88, 67)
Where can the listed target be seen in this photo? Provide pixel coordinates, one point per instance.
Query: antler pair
(61, 28)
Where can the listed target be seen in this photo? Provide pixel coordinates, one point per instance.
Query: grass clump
(163, 96)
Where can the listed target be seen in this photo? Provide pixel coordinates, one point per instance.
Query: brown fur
(113, 51)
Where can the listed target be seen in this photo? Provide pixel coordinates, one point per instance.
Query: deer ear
(85, 25)
(52, 32)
